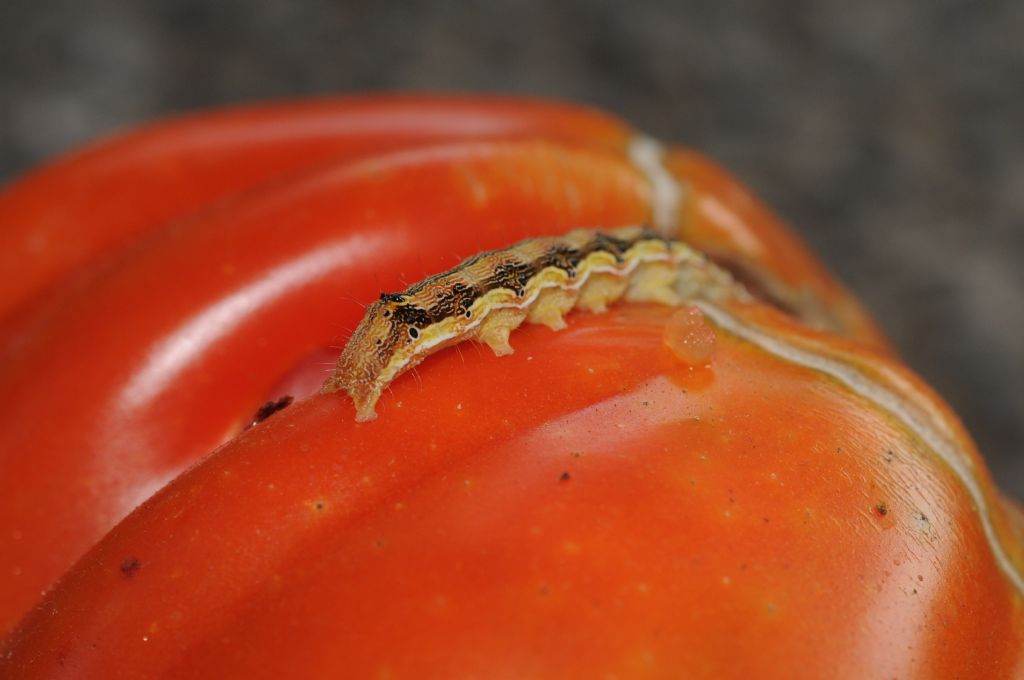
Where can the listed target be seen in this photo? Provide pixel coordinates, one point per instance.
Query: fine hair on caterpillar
(538, 281)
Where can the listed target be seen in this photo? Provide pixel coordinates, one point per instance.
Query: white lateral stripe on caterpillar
(538, 280)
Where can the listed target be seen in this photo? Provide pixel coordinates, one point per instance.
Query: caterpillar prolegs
(537, 281)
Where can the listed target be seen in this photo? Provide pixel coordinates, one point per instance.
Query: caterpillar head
(389, 327)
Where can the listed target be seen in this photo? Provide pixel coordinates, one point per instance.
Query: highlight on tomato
(732, 478)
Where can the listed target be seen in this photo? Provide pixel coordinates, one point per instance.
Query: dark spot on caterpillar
(392, 297)
(512, 275)
(130, 565)
(379, 341)
(610, 244)
(565, 477)
(562, 256)
(450, 299)
(469, 313)
(414, 332)
(269, 409)
(411, 315)
(387, 313)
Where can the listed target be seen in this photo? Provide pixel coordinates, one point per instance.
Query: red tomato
(593, 505)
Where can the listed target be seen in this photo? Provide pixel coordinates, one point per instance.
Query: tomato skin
(641, 518)
(65, 216)
(589, 506)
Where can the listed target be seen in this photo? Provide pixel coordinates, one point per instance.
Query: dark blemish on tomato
(882, 509)
(565, 477)
(130, 566)
(889, 456)
(270, 408)
(319, 506)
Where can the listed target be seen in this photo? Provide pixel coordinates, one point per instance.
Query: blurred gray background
(890, 134)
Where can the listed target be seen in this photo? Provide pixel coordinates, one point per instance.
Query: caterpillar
(537, 281)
